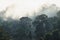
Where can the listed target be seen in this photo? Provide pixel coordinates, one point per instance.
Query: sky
(19, 8)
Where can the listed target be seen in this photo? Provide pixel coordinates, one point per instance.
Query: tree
(3, 34)
(24, 29)
(58, 22)
(54, 35)
(42, 25)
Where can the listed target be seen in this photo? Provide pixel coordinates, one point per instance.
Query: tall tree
(42, 25)
(24, 31)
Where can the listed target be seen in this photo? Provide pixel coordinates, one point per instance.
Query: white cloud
(22, 7)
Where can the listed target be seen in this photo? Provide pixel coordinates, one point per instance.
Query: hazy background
(18, 8)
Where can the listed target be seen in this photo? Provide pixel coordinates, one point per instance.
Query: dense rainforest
(41, 27)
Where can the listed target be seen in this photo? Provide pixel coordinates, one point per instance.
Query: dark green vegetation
(41, 28)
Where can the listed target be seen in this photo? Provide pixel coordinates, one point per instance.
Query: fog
(31, 8)
(49, 10)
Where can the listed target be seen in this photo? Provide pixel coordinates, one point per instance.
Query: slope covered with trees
(41, 28)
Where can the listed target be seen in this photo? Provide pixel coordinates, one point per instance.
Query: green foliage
(4, 35)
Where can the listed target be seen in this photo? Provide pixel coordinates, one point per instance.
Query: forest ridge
(41, 27)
